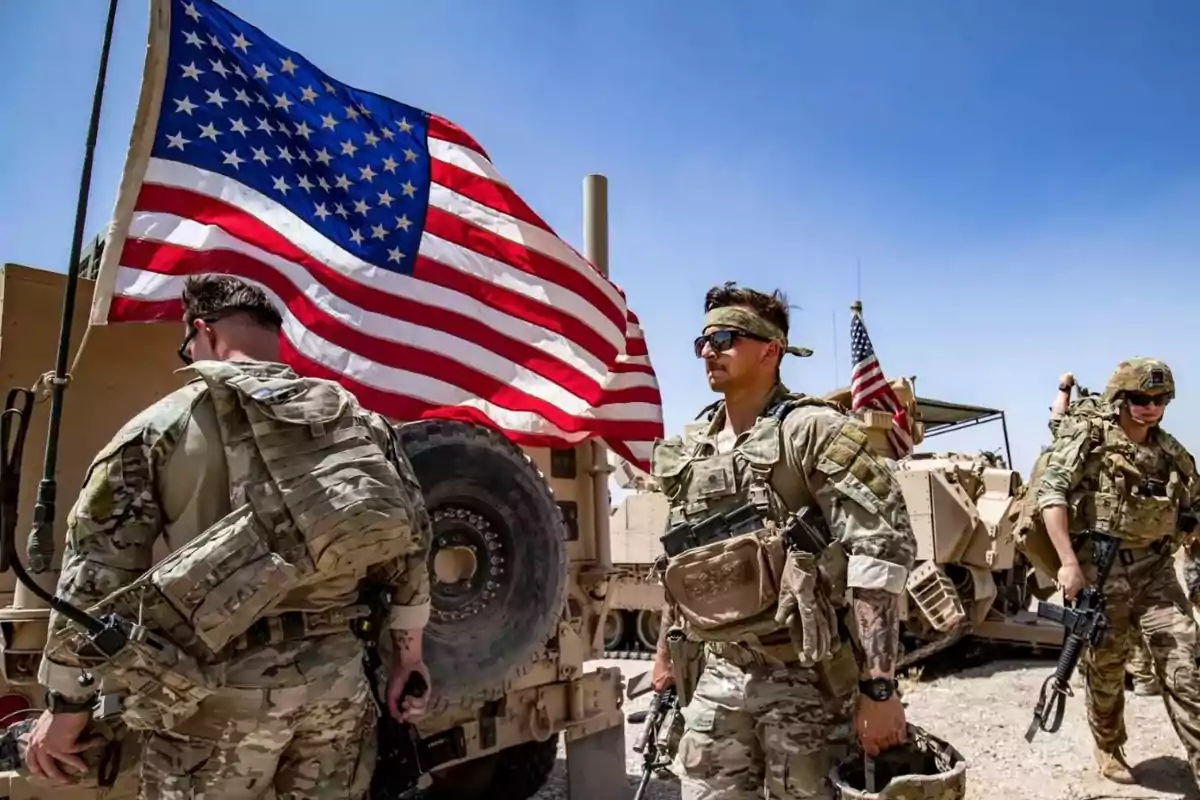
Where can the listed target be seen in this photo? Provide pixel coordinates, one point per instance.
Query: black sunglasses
(191, 334)
(722, 340)
(1140, 399)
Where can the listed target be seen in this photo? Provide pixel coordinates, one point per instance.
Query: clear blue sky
(1020, 182)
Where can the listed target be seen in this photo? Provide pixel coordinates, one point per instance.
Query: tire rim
(463, 529)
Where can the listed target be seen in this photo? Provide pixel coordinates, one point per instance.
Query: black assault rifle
(659, 718)
(806, 530)
(1084, 623)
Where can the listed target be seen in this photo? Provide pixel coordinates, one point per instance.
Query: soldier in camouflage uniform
(1118, 471)
(1140, 666)
(294, 713)
(778, 704)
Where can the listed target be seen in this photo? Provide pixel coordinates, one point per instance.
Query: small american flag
(869, 387)
(406, 267)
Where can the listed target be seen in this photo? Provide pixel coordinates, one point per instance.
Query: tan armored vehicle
(518, 561)
(969, 577)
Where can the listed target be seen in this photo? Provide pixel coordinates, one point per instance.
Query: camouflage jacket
(162, 480)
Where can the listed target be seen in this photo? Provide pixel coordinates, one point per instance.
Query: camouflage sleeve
(1055, 423)
(111, 531)
(858, 495)
(408, 575)
(1064, 467)
(1191, 568)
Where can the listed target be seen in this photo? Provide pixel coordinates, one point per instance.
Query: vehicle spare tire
(498, 555)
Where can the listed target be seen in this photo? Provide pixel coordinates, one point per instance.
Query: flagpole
(40, 547)
(595, 250)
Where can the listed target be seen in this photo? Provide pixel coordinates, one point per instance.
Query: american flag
(407, 269)
(869, 388)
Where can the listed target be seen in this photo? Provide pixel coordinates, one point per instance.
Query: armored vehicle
(518, 560)
(969, 578)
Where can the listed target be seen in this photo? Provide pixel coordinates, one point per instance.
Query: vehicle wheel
(497, 558)
(516, 773)
(648, 622)
(614, 629)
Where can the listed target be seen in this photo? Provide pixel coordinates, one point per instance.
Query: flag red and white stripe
(491, 318)
(869, 387)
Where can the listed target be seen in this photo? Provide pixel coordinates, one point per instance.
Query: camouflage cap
(1147, 375)
(923, 768)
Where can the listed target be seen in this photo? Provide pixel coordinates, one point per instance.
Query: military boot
(1113, 765)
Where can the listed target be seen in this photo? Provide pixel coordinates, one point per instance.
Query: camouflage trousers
(1141, 666)
(314, 739)
(760, 731)
(1144, 600)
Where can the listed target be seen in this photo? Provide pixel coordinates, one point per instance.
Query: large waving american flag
(406, 267)
(869, 387)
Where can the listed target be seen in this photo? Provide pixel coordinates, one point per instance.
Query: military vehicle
(518, 559)
(969, 578)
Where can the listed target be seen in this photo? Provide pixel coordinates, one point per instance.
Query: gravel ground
(983, 710)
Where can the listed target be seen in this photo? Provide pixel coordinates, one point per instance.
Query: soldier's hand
(1066, 379)
(879, 725)
(661, 677)
(407, 707)
(54, 745)
(1070, 580)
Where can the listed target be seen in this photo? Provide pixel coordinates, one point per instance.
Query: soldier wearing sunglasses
(1121, 473)
(783, 692)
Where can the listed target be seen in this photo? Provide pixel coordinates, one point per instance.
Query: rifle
(664, 710)
(1084, 623)
(404, 758)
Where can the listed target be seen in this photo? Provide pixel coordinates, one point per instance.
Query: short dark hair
(771, 307)
(209, 296)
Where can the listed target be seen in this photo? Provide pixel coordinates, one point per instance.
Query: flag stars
(308, 95)
(304, 183)
(404, 125)
(281, 185)
(284, 154)
(282, 101)
(323, 157)
(356, 237)
(237, 70)
(215, 42)
(177, 141)
(262, 101)
(191, 38)
(260, 155)
(209, 131)
(192, 71)
(372, 139)
(265, 125)
(385, 199)
(389, 165)
(351, 112)
(216, 99)
(219, 67)
(241, 43)
(403, 222)
(288, 66)
(324, 184)
(409, 155)
(328, 87)
(303, 155)
(348, 148)
(190, 10)
(185, 105)
(242, 97)
(395, 255)
(233, 159)
(237, 126)
(388, 134)
(366, 173)
(343, 182)
(328, 122)
(361, 207)
(378, 232)
(262, 73)
(303, 130)
(341, 211)
(321, 212)
(408, 189)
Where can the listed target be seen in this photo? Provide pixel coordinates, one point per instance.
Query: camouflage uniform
(294, 712)
(1133, 491)
(758, 724)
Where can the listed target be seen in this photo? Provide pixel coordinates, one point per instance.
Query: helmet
(923, 768)
(1140, 375)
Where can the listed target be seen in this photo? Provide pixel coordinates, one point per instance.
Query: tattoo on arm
(877, 614)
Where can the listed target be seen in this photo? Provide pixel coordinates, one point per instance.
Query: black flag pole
(41, 540)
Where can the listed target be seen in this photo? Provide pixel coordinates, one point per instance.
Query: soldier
(781, 693)
(294, 711)
(1119, 472)
(1140, 666)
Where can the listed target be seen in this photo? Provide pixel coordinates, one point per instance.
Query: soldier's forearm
(877, 614)
(1058, 528)
(407, 646)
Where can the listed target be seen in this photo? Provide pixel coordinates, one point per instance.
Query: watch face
(877, 688)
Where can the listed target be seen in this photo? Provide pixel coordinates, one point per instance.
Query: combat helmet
(1147, 375)
(923, 768)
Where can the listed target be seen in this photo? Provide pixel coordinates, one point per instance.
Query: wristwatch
(878, 689)
(61, 704)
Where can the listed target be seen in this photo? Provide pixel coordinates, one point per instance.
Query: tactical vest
(727, 590)
(313, 496)
(1114, 495)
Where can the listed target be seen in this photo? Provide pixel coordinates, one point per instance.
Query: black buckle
(1126, 556)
